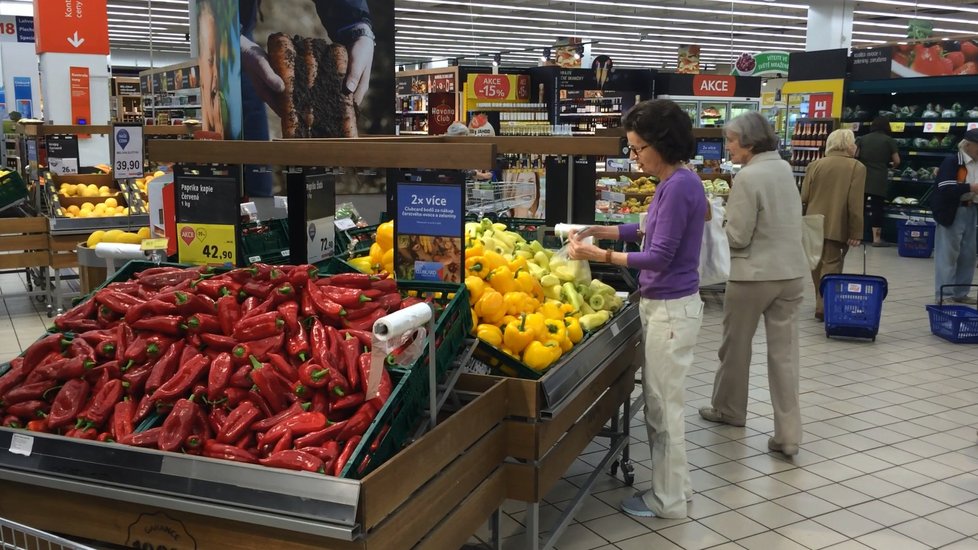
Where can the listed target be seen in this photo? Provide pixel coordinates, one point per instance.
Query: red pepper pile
(266, 364)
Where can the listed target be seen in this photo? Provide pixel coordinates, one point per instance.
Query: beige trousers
(833, 257)
(745, 303)
(671, 328)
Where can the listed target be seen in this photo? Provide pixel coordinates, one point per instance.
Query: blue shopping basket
(954, 323)
(915, 238)
(853, 304)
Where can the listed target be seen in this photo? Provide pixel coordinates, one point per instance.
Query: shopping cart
(14, 536)
(853, 304)
(954, 323)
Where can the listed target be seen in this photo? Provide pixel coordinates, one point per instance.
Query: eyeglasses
(629, 149)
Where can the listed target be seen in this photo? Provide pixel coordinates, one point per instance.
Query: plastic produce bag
(715, 252)
(568, 270)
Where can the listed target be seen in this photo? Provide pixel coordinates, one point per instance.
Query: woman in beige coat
(767, 273)
(833, 187)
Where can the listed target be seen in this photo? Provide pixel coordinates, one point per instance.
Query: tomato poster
(914, 60)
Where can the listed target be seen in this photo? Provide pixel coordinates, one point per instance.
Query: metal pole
(432, 372)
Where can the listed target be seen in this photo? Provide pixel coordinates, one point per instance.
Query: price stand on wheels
(208, 214)
(428, 225)
(312, 213)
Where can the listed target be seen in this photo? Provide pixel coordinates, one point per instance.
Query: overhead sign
(16, 29)
(820, 106)
(714, 85)
(498, 87)
(761, 63)
(127, 146)
(71, 26)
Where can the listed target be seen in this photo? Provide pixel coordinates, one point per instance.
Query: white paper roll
(119, 251)
(402, 321)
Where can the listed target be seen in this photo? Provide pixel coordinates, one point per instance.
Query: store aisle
(889, 461)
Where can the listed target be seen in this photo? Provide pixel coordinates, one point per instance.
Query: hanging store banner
(498, 87)
(429, 224)
(761, 64)
(689, 59)
(16, 29)
(820, 106)
(940, 58)
(75, 26)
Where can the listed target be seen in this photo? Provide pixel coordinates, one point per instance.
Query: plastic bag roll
(119, 251)
(402, 321)
(563, 230)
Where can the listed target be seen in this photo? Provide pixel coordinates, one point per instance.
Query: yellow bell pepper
(376, 254)
(507, 319)
(385, 235)
(387, 262)
(476, 288)
(475, 320)
(538, 355)
(493, 260)
(490, 334)
(574, 331)
(517, 263)
(556, 330)
(501, 279)
(552, 310)
(518, 335)
(516, 303)
(476, 265)
(474, 248)
(361, 264)
(535, 322)
(490, 307)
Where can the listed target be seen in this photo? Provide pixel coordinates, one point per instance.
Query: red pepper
(344, 457)
(314, 375)
(217, 418)
(362, 281)
(338, 386)
(108, 369)
(249, 304)
(123, 415)
(386, 384)
(284, 443)
(259, 402)
(235, 396)
(144, 407)
(102, 403)
(327, 453)
(183, 380)
(83, 433)
(27, 392)
(219, 376)
(350, 350)
(238, 422)
(390, 302)
(177, 426)
(349, 401)
(261, 348)
(346, 297)
(365, 323)
(164, 324)
(300, 390)
(96, 337)
(34, 408)
(193, 444)
(143, 348)
(299, 424)
(268, 387)
(152, 307)
(320, 402)
(148, 438)
(218, 341)
(283, 367)
(325, 306)
(302, 274)
(213, 449)
(319, 342)
(241, 378)
(290, 313)
(11, 421)
(359, 422)
(106, 349)
(14, 376)
(294, 460)
(136, 378)
(320, 437)
(68, 403)
(116, 301)
(39, 425)
(215, 288)
(334, 341)
(170, 278)
(81, 312)
(305, 303)
(40, 349)
(410, 301)
(204, 323)
(363, 336)
(259, 327)
(165, 367)
(123, 338)
(283, 293)
(228, 314)
(380, 437)
(298, 344)
(258, 289)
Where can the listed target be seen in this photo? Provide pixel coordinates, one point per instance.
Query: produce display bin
(13, 190)
(266, 242)
(355, 242)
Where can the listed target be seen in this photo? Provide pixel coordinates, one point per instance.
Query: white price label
(321, 233)
(345, 224)
(972, 125)
(21, 444)
(63, 167)
(612, 196)
(127, 146)
(614, 329)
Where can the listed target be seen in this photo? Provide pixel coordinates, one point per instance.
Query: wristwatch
(356, 32)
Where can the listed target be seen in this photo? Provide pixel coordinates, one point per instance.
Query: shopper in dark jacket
(953, 204)
(877, 150)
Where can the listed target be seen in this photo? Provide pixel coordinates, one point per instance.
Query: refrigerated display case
(713, 113)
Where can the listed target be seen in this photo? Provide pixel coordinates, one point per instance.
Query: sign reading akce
(714, 85)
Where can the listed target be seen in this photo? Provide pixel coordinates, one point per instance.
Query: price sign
(127, 148)
(208, 216)
(312, 215)
(937, 127)
(972, 125)
(154, 244)
(62, 154)
(898, 126)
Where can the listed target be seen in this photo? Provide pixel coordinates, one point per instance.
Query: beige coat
(763, 222)
(833, 187)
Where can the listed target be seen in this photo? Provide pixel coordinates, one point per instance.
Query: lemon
(87, 206)
(95, 238)
(144, 233)
(87, 193)
(104, 191)
(159, 173)
(112, 236)
(111, 202)
(100, 209)
(73, 209)
(85, 214)
(69, 189)
(124, 211)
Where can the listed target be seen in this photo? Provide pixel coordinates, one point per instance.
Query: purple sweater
(670, 256)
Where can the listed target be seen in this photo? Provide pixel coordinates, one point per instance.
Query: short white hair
(841, 140)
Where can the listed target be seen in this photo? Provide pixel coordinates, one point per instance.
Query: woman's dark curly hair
(665, 127)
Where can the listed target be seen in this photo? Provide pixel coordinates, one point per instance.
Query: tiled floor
(889, 461)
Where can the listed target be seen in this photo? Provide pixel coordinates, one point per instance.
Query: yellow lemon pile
(117, 236)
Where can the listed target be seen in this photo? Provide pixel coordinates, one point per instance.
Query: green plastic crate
(13, 190)
(271, 246)
(355, 242)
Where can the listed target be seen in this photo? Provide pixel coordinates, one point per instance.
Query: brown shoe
(819, 316)
(713, 415)
(785, 449)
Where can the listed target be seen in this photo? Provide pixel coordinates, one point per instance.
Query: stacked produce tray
(266, 242)
(355, 242)
(13, 190)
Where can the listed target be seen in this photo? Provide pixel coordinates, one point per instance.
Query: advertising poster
(940, 58)
(429, 215)
(761, 64)
(23, 96)
(441, 112)
(689, 59)
(219, 55)
(81, 99)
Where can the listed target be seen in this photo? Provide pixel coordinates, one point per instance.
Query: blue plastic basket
(853, 305)
(915, 239)
(958, 324)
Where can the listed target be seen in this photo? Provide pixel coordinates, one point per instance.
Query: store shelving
(808, 143)
(412, 103)
(585, 115)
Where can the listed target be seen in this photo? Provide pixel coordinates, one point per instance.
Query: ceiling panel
(637, 33)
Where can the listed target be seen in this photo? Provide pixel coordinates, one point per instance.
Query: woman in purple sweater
(660, 139)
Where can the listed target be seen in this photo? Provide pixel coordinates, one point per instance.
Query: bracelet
(607, 256)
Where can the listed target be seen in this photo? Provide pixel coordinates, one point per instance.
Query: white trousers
(671, 328)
